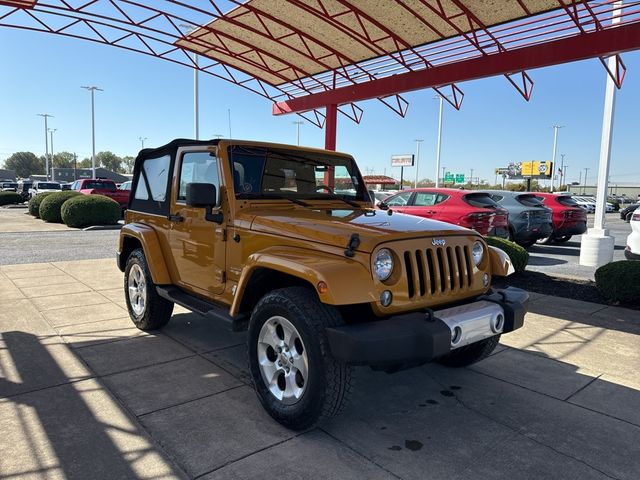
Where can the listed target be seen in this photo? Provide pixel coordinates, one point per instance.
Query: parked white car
(589, 203)
(39, 187)
(632, 252)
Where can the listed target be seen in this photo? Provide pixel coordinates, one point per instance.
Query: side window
(198, 167)
(441, 198)
(425, 199)
(399, 200)
(157, 170)
(151, 185)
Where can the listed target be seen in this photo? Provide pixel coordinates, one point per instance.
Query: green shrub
(86, 210)
(619, 281)
(518, 255)
(50, 207)
(34, 203)
(10, 198)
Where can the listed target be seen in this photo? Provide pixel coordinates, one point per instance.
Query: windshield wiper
(336, 197)
(272, 197)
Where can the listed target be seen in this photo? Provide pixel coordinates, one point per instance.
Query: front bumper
(420, 337)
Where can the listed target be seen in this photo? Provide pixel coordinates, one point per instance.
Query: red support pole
(330, 125)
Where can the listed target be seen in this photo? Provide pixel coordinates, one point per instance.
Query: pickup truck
(102, 186)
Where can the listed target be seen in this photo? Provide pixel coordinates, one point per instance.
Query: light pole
(418, 142)
(217, 135)
(443, 170)
(555, 146)
(142, 142)
(51, 131)
(196, 107)
(297, 123)
(564, 174)
(471, 179)
(229, 118)
(439, 140)
(93, 127)
(561, 170)
(46, 142)
(584, 189)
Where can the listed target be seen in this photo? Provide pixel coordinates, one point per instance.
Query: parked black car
(627, 212)
(529, 219)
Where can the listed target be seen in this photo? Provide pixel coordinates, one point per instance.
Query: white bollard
(596, 248)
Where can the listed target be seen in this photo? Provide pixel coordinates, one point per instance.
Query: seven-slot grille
(438, 270)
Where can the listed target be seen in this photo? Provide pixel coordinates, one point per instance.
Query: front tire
(469, 354)
(563, 239)
(297, 380)
(147, 309)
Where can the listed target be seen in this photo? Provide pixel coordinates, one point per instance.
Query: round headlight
(383, 264)
(477, 253)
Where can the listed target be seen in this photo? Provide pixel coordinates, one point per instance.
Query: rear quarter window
(529, 201)
(567, 202)
(480, 200)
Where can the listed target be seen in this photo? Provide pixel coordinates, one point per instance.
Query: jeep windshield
(278, 173)
(48, 186)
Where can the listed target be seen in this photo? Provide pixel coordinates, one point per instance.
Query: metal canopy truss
(309, 56)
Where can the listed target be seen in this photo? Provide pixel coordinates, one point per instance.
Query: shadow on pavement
(80, 445)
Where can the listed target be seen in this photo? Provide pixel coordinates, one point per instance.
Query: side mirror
(383, 206)
(204, 195)
(201, 195)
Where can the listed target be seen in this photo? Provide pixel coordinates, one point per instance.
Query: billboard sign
(402, 160)
(531, 169)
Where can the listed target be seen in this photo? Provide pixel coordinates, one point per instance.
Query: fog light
(456, 335)
(497, 323)
(486, 279)
(385, 298)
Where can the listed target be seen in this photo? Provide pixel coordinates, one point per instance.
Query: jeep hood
(335, 227)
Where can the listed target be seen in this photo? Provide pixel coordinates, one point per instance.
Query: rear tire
(563, 239)
(297, 380)
(469, 354)
(546, 241)
(147, 309)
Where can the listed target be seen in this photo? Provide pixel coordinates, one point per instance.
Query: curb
(102, 227)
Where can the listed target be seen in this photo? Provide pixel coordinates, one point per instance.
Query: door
(425, 204)
(400, 202)
(197, 245)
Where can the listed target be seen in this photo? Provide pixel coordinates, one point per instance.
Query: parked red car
(568, 217)
(466, 208)
(102, 186)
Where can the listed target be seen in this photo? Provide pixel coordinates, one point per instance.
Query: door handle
(175, 218)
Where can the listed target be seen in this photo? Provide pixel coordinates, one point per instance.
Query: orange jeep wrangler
(284, 242)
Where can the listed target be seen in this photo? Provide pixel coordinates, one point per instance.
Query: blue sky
(147, 97)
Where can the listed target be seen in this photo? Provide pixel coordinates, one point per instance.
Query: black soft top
(172, 146)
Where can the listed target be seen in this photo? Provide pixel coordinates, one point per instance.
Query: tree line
(28, 163)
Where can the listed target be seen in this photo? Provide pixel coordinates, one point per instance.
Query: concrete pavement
(84, 394)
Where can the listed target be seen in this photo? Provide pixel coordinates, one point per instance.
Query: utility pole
(555, 146)
(46, 142)
(418, 142)
(142, 142)
(297, 123)
(471, 178)
(75, 166)
(439, 140)
(443, 170)
(229, 118)
(561, 169)
(218, 135)
(51, 131)
(93, 128)
(564, 174)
